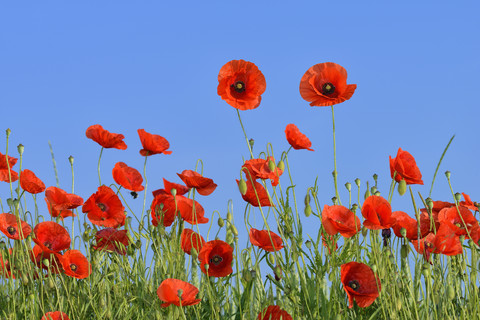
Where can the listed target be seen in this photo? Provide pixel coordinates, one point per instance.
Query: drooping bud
(307, 199)
(348, 185)
(234, 230)
(242, 186)
(194, 253)
(334, 173)
(281, 165)
(138, 244)
(402, 187)
(271, 165)
(229, 216)
(377, 193)
(308, 211)
(20, 149)
(220, 222)
(130, 250)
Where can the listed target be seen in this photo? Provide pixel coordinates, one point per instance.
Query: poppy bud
(173, 191)
(46, 263)
(375, 177)
(331, 276)
(308, 211)
(220, 222)
(179, 293)
(151, 228)
(307, 199)
(3, 246)
(354, 207)
(404, 251)
(86, 236)
(247, 275)
(402, 187)
(450, 293)
(20, 149)
(374, 268)
(281, 165)
(348, 185)
(194, 253)
(403, 232)
(458, 197)
(271, 258)
(242, 186)
(367, 194)
(373, 190)
(271, 165)
(447, 174)
(399, 304)
(70, 159)
(130, 250)
(51, 283)
(278, 273)
(377, 193)
(25, 279)
(251, 142)
(429, 202)
(357, 182)
(334, 200)
(462, 238)
(364, 231)
(138, 244)
(228, 239)
(234, 230)
(308, 243)
(229, 216)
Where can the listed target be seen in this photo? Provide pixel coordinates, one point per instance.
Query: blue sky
(65, 66)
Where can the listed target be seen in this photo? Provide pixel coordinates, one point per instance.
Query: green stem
(335, 173)
(98, 166)
(246, 138)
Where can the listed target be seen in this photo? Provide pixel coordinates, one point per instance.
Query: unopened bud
(308, 243)
(20, 149)
(242, 186)
(247, 275)
(179, 293)
(234, 230)
(194, 253)
(348, 185)
(364, 231)
(402, 187)
(374, 268)
(278, 273)
(458, 197)
(403, 232)
(447, 174)
(220, 222)
(229, 216)
(281, 165)
(46, 263)
(130, 250)
(271, 165)
(307, 199)
(462, 238)
(138, 244)
(271, 258)
(85, 236)
(450, 292)
(308, 211)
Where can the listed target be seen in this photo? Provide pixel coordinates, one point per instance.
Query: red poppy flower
(105, 138)
(75, 264)
(180, 189)
(259, 169)
(30, 183)
(192, 179)
(152, 143)
(447, 240)
(267, 240)
(55, 315)
(241, 84)
(165, 206)
(403, 220)
(468, 203)
(406, 167)
(219, 256)
(168, 292)
(51, 237)
(254, 198)
(104, 208)
(461, 219)
(40, 255)
(274, 313)
(360, 283)
(377, 213)
(297, 139)
(425, 246)
(190, 239)
(6, 269)
(337, 219)
(325, 84)
(10, 227)
(127, 177)
(61, 203)
(4, 167)
(113, 240)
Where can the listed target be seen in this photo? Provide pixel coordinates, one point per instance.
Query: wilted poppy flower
(45, 258)
(267, 240)
(325, 84)
(75, 264)
(406, 167)
(165, 206)
(462, 219)
(179, 188)
(152, 143)
(425, 246)
(274, 313)
(259, 169)
(30, 183)
(127, 177)
(241, 84)
(105, 138)
(190, 239)
(377, 213)
(55, 315)
(468, 203)
(297, 139)
(9, 227)
(256, 195)
(219, 256)
(111, 239)
(170, 289)
(61, 203)
(192, 179)
(447, 240)
(104, 208)
(4, 167)
(51, 237)
(403, 220)
(5, 267)
(360, 283)
(337, 219)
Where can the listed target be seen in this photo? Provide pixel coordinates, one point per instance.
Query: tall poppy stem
(146, 184)
(98, 166)
(335, 173)
(246, 138)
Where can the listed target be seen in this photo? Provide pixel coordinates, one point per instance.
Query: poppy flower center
(11, 230)
(216, 260)
(328, 88)
(239, 86)
(102, 206)
(354, 285)
(73, 267)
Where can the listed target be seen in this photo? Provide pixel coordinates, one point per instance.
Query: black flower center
(102, 206)
(239, 86)
(73, 267)
(354, 285)
(11, 230)
(328, 88)
(216, 260)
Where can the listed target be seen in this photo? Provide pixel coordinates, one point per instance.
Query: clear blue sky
(65, 66)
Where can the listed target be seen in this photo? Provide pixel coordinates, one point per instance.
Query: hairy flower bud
(402, 187)
(281, 165)
(242, 186)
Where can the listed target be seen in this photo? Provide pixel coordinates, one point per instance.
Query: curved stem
(98, 166)
(246, 138)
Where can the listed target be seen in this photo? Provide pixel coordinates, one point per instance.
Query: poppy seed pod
(357, 182)
(8, 131)
(447, 174)
(348, 185)
(20, 149)
(70, 159)
(458, 197)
